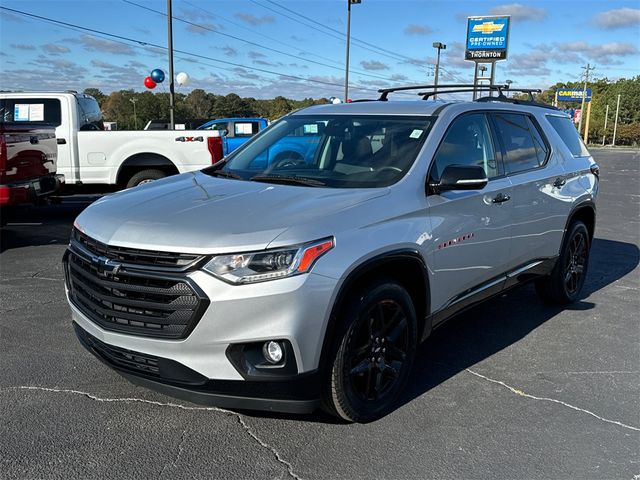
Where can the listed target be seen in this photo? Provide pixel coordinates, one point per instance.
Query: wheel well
(405, 268)
(144, 161)
(586, 215)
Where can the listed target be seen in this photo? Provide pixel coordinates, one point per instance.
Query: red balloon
(149, 83)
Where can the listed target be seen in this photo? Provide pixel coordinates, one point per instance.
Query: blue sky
(264, 48)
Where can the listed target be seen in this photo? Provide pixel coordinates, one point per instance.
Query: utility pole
(584, 94)
(346, 72)
(135, 117)
(606, 117)
(439, 46)
(172, 123)
(615, 125)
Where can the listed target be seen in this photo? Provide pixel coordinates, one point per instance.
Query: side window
(522, 142)
(467, 142)
(218, 126)
(245, 129)
(90, 114)
(569, 135)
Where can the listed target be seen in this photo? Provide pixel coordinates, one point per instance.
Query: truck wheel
(372, 359)
(565, 282)
(145, 176)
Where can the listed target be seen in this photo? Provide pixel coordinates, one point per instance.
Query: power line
(142, 43)
(255, 32)
(257, 45)
(388, 53)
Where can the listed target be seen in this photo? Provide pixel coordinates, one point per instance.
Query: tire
(145, 176)
(373, 353)
(564, 284)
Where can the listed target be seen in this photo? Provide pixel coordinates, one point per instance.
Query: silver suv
(308, 278)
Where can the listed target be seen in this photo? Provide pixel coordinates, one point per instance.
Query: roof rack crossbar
(384, 92)
(479, 88)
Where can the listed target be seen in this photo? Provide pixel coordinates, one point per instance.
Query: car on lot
(28, 158)
(300, 284)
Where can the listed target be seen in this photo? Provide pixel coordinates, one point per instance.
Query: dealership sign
(487, 38)
(569, 95)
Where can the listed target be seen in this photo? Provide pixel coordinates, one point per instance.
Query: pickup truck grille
(129, 298)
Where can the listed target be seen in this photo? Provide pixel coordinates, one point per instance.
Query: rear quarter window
(569, 135)
(524, 147)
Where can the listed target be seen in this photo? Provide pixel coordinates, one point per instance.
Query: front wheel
(373, 357)
(145, 176)
(565, 282)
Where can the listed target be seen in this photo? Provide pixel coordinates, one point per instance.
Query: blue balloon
(157, 75)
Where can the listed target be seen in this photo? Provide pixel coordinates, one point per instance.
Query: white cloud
(254, 20)
(374, 65)
(94, 44)
(619, 18)
(415, 29)
(520, 12)
(55, 49)
(22, 46)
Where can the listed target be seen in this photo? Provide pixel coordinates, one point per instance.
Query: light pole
(346, 73)
(615, 124)
(439, 46)
(172, 123)
(135, 117)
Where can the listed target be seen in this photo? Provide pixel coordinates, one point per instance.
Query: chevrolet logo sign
(488, 28)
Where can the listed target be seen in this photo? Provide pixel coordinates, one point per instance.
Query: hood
(197, 213)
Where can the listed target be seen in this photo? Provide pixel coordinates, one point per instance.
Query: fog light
(272, 351)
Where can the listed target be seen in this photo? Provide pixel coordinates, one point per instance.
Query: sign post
(487, 42)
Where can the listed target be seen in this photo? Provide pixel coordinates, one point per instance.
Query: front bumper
(30, 191)
(296, 394)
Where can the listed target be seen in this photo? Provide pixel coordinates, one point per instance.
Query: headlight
(268, 264)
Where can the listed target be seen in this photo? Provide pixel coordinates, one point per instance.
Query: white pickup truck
(89, 155)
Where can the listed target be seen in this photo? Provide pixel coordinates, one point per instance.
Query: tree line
(199, 104)
(605, 92)
(118, 106)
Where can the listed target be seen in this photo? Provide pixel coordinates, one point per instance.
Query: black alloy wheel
(372, 361)
(564, 284)
(575, 264)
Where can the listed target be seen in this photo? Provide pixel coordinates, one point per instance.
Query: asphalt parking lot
(510, 389)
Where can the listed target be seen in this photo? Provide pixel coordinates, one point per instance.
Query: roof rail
(467, 87)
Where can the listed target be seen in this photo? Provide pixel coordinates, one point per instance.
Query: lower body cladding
(256, 346)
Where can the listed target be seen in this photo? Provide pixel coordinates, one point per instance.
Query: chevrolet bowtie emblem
(488, 27)
(106, 267)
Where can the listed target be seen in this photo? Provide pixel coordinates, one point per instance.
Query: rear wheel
(371, 363)
(565, 282)
(145, 176)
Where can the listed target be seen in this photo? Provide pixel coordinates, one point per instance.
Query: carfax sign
(487, 38)
(569, 95)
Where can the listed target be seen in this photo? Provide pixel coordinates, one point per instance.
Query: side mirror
(460, 177)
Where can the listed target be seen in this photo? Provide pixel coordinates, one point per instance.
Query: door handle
(61, 141)
(501, 198)
(560, 182)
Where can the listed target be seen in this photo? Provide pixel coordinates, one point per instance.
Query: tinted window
(467, 142)
(90, 116)
(245, 129)
(523, 149)
(565, 128)
(218, 126)
(541, 147)
(31, 110)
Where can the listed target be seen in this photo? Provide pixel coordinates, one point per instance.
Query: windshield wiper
(224, 173)
(288, 180)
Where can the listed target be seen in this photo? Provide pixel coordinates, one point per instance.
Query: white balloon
(182, 79)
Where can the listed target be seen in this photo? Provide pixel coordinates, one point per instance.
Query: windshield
(341, 151)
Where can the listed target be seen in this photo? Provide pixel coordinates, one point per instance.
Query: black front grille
(132, 299)
(134, 256)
